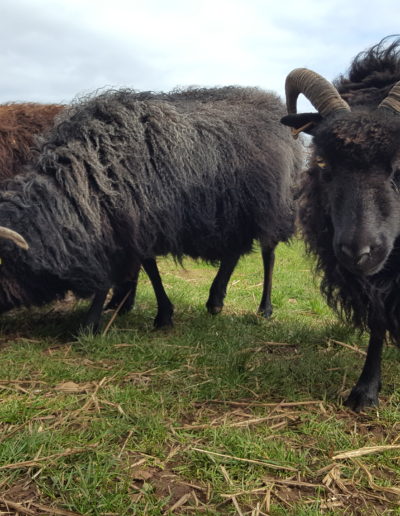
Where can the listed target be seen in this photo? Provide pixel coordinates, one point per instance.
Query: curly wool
(128, 175)
(371, 74)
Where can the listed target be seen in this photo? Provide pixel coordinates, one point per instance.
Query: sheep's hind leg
(217, 294)
(365, 392)
(92, 320)
(268, 256)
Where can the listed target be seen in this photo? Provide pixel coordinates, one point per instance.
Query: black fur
(371, 74)
(127, 176)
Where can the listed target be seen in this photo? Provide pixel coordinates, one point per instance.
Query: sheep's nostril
(363, 258)
(359, 256)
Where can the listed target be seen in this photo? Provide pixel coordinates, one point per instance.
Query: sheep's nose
(358, 256)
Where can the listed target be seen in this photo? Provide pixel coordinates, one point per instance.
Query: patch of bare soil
(24, 498)
(181, 495)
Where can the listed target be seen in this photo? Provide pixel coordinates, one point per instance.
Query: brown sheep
(19, 126)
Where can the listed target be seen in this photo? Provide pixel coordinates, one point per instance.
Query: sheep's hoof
(162, 322)
(89, 328)
(362, 397)
(265, 312)
(214, 310)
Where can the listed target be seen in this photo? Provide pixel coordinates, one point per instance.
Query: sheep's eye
(324, 169)
(321, 163)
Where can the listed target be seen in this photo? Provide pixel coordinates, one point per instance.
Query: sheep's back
(194, 172)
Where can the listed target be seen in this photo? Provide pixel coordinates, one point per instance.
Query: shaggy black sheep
(219, 249)
(128, 176)
(350, 196)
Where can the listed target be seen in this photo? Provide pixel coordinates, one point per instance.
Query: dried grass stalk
(367, 450)
(250, 461)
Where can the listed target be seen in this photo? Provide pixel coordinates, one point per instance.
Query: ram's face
(357, 154)
(358, 167)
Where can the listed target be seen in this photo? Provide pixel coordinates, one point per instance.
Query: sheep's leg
(164, 305)
(217, 294)
(365, 392)
(165, 308)
(92, 320)
(268, 256)
(127, 291)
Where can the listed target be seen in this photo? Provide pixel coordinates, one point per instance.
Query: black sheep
(350, 196)
(127, 176)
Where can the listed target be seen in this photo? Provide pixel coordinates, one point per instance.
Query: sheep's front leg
(217, 294)
(92, 320)
(365, 393)
(165, 308)
(125, 293)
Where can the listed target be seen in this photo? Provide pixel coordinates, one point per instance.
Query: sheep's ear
(302, 122)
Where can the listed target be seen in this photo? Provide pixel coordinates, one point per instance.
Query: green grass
(207, 418)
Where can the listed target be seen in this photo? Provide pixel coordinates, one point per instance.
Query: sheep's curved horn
(320, 92)
(392, 101)
(18, 239)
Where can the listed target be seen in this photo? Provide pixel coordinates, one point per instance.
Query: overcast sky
(54, 50)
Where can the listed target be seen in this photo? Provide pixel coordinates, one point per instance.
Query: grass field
(227, 414)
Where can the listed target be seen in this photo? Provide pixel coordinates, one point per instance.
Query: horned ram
(350, 196)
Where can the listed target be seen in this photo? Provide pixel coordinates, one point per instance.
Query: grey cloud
(46, 59)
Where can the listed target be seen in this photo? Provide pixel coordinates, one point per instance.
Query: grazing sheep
(21, 124)
(350, 200)
(20, 127)
(127, 176)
